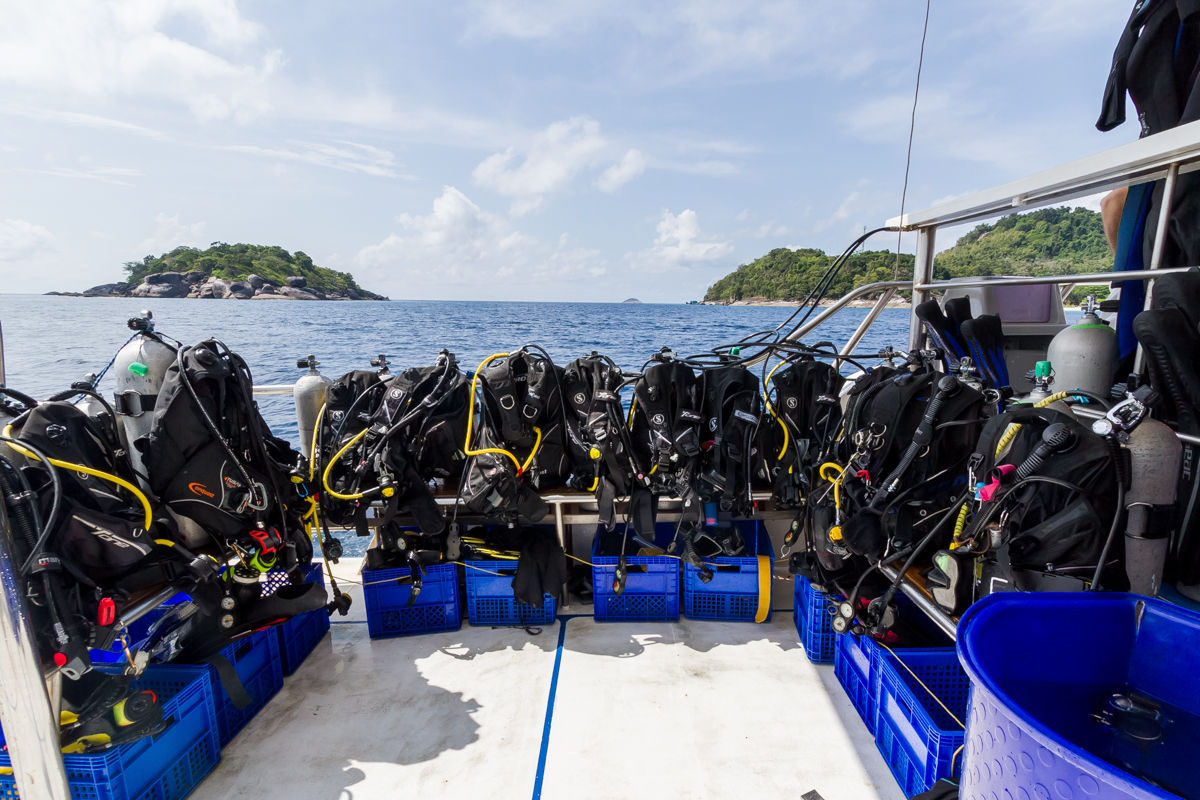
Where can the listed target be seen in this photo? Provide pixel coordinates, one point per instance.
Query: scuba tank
(1084, 355)
(1042, 378)
(309, 397)
(1156, 455)
(139, 368)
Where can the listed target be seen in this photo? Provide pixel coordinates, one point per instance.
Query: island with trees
(1043, 242)
(233, 272)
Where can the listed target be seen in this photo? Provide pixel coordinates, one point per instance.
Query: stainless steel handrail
(1033, 280)
(30, 723)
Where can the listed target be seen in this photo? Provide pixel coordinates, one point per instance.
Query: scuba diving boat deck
(581, 710)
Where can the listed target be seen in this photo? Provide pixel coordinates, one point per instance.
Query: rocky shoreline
(200, 285)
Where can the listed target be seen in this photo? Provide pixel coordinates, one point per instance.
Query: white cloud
(98, 50)
(170, 233)
(20, 240)
(548, 163)
(110, 175)
(629, 167)
(341, 155)
(680, 244)
(690, 39)
(78, 119)
(460, 244)
(710, 168)
(841, 214)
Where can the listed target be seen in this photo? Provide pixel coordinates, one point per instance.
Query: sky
(520, 149)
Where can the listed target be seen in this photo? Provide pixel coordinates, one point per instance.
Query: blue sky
(495, 149)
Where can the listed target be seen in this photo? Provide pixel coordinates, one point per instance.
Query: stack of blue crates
(651, 591)
(855, 663)
(732, 594)
(255, 659)
(300, 634)
(490, 598)
(920, 708)
(814, 622)
(163, 767)
(393, 611)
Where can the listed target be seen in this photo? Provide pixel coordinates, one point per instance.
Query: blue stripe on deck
(541, 765)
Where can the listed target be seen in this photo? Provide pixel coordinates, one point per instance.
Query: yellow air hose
(1011, 432)
(771, 410)
(334, 460)
(835, 533)
(95, 473)
(537, 444)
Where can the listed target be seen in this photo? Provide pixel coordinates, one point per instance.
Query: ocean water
(50, 342)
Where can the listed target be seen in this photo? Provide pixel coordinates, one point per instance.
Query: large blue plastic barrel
(1080, 696)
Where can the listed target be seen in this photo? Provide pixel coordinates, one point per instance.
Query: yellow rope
(923, 686)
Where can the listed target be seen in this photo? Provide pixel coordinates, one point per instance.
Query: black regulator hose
(47, 525)
(947, 386)
(1119, 463)
(1056, 438)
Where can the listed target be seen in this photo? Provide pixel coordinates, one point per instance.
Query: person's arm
(1111, 207)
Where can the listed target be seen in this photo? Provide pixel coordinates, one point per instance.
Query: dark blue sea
(50, 342)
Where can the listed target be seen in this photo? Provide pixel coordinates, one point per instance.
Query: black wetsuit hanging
(666, 434)
(1157, 61)
(597, 435)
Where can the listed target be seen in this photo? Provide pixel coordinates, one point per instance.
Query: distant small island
(631, 300)
(232, 272)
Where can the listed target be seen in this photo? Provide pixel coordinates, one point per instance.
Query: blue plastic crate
(387, 592)
(651, 592)
(490, 599)
(255, 658)
(814, 622)
(916, 736)
(163, 767)
(732, 594)
(855, 663)
(300, 634)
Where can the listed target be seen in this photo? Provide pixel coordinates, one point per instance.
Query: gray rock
(255, 281)
(266, 288)
(297, 294)
(297, 281)
(240, 290)
(215, 288)
(195, 276)
(172, 278)
(159, 290)
(108, 290)
(353, 295)
(204, 291)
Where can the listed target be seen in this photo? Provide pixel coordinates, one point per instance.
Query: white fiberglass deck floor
(583, 710)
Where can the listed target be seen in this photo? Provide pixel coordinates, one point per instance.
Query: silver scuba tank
(1155, 455)
(139, 369)
(309, 397)
(1085, 355)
